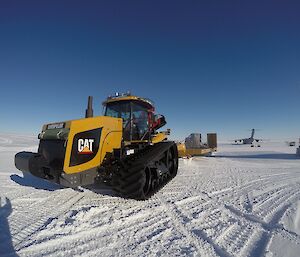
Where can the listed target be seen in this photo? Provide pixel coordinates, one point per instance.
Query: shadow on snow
(6, 245)
(275, 156)
(29, 180)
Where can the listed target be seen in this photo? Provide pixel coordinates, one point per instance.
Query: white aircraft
(248, 141)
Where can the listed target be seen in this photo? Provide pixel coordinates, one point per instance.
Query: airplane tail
(252, 133)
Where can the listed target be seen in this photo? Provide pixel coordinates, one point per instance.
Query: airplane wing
(258, 140)
(238, 140)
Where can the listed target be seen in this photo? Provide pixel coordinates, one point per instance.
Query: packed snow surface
(242, 202)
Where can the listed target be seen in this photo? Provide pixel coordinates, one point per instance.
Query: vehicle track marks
(204, 245)
(38, 215)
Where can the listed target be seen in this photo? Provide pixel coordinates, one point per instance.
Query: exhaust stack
(89, 111)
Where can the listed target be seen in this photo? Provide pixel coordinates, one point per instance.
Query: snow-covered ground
(242, 202)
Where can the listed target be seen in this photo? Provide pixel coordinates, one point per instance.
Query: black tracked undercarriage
(140, 175)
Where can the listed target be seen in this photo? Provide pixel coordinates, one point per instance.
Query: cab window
(119, 110)
(140, 120)
(135, 118)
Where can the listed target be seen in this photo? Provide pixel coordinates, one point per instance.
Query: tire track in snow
(137, 223)
(258, 242)
(203, 244)
(38, 215)
(269, 209)
(227, 234)
(269, 228)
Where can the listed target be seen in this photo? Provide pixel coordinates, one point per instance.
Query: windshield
(134, 115)
(118, 110)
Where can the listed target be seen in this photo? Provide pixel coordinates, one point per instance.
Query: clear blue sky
(223, 66)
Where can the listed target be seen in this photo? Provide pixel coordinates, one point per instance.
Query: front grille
(54, 152)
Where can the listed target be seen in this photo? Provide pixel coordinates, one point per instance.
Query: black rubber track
(130, 177)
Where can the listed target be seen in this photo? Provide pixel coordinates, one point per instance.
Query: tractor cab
(139, 120)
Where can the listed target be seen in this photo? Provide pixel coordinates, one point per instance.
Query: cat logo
(85, 146)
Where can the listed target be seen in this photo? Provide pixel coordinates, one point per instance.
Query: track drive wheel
(134, 183)
(172, 161)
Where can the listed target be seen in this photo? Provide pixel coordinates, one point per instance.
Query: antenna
(89, 111)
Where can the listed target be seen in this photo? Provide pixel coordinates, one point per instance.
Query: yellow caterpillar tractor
(122, 149)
